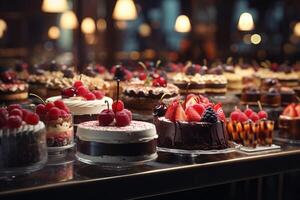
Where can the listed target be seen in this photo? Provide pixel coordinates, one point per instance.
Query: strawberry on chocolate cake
(11, 89)
(196, 124)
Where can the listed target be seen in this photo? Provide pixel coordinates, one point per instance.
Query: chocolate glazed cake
(192, 135)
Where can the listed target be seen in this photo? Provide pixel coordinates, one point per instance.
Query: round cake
(133, 143)
(189, 83)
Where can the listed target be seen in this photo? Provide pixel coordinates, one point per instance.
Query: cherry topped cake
(22, 140)
(146, 93)
(196, 124)
(83, 103)
(116, 139)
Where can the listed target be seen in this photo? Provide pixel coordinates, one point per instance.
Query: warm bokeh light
(3, 25)
(54, 6)
(53, 32)
(144, 30)
(297, 29)
(101, 25)
(68, 20)
(88, 25)
(125, 10)
(121, 25)
(183, 24)
(255, 39)
(245, 22)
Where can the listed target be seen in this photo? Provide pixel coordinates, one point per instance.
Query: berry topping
(98, 94)
(14, 121)
(25, 113)
(60, 104)
(129, 113)
(248, 111)
(209, 116)
(13, 106)
(262, 114)
(82, 91)
(17, 112)
(68, 92)
(117, 106)
(53, 114)
(254, 117)
(3, 117)
(170, 113)
(40, 109)
(242, 117)
(48, 106)
(122, 118)
(142, 76)
(199, 108)
(159, 82)
(90, 96)
(106, 117)
(77, 84)
(290, 111)
(159, 110)
(234, 116)
(32, 118)
(192, 114)
(180, 114)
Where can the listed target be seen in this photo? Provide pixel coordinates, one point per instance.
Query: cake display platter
(258, 148)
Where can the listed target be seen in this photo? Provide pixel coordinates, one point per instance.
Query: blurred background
(112, 31)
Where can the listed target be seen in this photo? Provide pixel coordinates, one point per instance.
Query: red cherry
(14, 121)
(234, 116)
(3, 117)
(106, 117)
(82, 91)
(53, 113)
(122, 118)
(77, 84)
(69, 92)
(60, 104)
(13, 106)
(248, 112)
(117, 106)
(242, 117)
(129, 113)
(254, 117)
(90, 96)
(16, 111)
(40, 109)
(99, 94)
(142, 76)
(162, 81)
(25, 113)
(32, 118)
(48, 106)
(155, 83)
(262, 114)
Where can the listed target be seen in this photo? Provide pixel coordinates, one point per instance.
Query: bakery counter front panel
(66, 174)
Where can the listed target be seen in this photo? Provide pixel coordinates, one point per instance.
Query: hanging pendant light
(68, 20)
(54, 6)
(182, 24)
(88, 25)
(125, 10)
(246, 22)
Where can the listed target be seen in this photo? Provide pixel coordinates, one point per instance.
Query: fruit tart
(195, 124)
(289, 122)
(250, 128)
(22, 141)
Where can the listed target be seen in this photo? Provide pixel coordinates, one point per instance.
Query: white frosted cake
(131, 144)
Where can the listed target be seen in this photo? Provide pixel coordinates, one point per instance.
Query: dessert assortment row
(80, 107)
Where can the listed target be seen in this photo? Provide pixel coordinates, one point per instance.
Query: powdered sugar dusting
(134, 126)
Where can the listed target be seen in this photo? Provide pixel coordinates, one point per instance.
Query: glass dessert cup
(60, 134)
(251, 134)
(22, 150)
